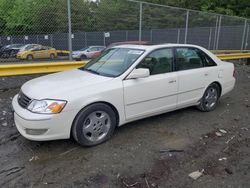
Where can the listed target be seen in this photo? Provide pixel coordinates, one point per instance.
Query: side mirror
(139, 73)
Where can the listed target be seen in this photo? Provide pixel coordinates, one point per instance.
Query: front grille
(23, 100)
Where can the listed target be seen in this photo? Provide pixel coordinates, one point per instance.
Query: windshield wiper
(92, 71)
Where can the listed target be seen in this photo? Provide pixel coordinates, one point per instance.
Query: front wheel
(210, 98)
(30, 57)
(94, 124)
(83, 57)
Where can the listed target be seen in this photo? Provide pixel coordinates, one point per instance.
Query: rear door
(156, 93)
(191, 75)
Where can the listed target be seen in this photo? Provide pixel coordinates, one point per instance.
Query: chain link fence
(56, 27)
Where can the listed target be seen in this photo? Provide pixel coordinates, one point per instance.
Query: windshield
(28, 47)
(113, 62)
(14, 46)
(17, 45)
(83, 49)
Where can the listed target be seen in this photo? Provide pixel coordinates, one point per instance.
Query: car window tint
(158, 62)
(188, 58)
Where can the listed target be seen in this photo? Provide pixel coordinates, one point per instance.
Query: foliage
(49, 16)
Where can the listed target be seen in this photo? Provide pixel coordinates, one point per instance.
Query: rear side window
(208, 62)
(188, 58)
(158, 62)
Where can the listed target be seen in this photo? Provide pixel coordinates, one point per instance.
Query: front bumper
(76, 56)
(42, 127)
(18, 56)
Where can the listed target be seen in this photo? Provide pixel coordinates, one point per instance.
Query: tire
(83, 57)
(210, 98)
(52, 56)
(94, 124)
(30, 57)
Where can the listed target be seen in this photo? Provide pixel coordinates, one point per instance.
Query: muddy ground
(138, 154)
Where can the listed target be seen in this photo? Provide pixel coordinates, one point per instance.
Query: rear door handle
(206, 74)
(172, 81)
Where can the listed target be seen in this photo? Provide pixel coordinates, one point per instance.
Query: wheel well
(219, 85)
(29, 55)
(114, 109)
(109, 104)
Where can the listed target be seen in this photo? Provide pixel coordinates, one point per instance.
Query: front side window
(113, 62)
(158, 62)
(188, 58)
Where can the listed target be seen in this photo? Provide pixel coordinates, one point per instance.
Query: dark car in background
(10, 51)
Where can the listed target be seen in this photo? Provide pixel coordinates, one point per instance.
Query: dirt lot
(138, 155)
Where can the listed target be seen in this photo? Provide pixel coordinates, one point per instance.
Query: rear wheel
(30, 57)
(210, 98)
(94, 124)
(52, 56)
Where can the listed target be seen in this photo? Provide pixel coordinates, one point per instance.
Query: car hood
(59, 85)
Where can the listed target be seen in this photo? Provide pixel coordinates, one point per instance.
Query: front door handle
(206, 74)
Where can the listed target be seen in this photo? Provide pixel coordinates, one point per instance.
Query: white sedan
(124, 84)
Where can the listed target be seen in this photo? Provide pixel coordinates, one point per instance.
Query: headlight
(46, 106)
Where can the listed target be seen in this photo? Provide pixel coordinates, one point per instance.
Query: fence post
(37, 39)
(104, 39)
(140, 22)
(151, 35)
(218, 34)
(178, 36)
(243, 35)
(51, 40)
(186, 29)
(85, 40)
(215, 32)
(210, 38)
(69, 29)
(247, 35)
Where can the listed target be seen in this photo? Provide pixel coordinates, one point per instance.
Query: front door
(156, 93)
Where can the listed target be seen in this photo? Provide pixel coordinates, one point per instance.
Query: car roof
(96, 46)
(152, 47)
(149, 48)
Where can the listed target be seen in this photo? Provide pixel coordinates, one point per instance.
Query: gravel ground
(160, 151)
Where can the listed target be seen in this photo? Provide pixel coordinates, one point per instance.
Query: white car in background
(87, 53)
(124, 84)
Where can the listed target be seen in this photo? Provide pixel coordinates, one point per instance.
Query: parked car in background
(9, 51)
(36, 51)
(124, 84)
(87, 53)
(97, 54)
